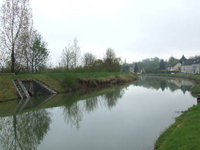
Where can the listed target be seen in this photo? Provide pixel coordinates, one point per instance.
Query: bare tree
(16, 21)
(67, 56)
(71, 55)
(89, 60)
(76, 53)
(110, 55)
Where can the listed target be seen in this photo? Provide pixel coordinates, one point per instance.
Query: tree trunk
(27, 66)
(35, 68)
(32, 66)
(13, 61)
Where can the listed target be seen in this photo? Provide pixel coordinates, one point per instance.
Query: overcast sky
(135, 29)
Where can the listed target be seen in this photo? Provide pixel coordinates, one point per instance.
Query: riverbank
(184, 133)
(64, 82)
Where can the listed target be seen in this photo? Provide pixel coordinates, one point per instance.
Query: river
(126, 117)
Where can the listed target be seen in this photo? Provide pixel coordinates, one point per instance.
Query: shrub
(196, 89)
(70, 81)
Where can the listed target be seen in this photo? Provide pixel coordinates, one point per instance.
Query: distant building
(196, 66)
(186, 66)
(174, 67)
(191, 66)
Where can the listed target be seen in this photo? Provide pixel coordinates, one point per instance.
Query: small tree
(98, 65)
(136, 69)
(111, 62)
(162, 65)
(172, 60)
(110, 55)
(38, 52)
(76, 53)
(67, 57)
(89, 60)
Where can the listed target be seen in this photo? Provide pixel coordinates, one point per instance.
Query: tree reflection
(163, 83)
(73, 114)
(73, 111)
(92, 103)
(24, 131)
(111, 98)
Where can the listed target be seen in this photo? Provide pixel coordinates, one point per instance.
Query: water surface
(129, 117)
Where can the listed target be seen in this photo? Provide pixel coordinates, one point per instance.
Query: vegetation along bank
(64, 82)
(184, 133)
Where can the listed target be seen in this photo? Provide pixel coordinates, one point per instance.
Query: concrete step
(21, 89)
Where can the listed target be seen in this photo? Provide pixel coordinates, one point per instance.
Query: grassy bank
(64, 82)
(185, 132)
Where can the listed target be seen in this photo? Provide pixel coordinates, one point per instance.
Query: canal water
(129, 117)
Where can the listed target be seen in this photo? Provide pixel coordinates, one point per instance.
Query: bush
(70, 81)
(196, 89)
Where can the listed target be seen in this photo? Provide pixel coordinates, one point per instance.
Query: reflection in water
(135, 119)
(24, 131)
(32, 103)
(112, 97)
(164, 83)
(73, 112)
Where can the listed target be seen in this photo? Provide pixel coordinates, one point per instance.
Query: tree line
(156, 65)
(23, 49)
(71, 60)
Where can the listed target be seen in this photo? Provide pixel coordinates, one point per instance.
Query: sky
(135, 29)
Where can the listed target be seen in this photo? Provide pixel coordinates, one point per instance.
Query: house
(191, 65)
(187, 66)
(196, 66)
(175, 67)
(184, 65)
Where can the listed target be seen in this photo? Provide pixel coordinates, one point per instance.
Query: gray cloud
(135, 29)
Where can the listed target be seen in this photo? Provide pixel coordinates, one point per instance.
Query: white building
(196, 66)
(174, 67)
(191, 66)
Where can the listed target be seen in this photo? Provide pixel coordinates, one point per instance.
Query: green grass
(184, 134)
(54, 80)
(7, 90)
(196, 89)
(59, 76)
